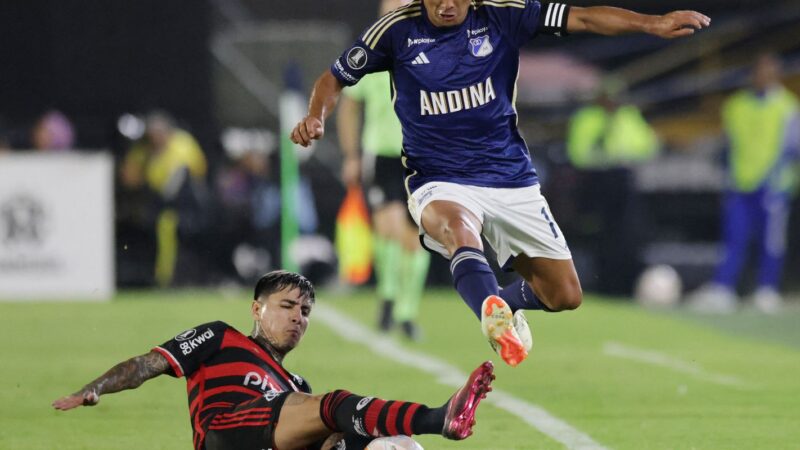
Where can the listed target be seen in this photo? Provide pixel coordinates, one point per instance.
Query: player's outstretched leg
(503, 330)
(342, 411)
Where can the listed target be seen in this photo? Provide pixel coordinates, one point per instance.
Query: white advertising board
(56, 226)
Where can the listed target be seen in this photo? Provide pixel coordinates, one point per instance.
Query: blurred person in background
(401, 264)
(762, 128)
(169, 163)
(53, 131)
(604, 141)
(249, 191)
(454, 65)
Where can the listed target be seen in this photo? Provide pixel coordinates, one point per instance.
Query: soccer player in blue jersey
(454, 66)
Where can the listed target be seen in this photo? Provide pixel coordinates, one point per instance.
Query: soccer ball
(659, 286)
(394, 443)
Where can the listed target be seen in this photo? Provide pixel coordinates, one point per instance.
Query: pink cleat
(460, 416)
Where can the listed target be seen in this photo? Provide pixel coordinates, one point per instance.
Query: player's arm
(324, 97)
(128, 374)
(370, 53)
(348, 125)
(612, 21)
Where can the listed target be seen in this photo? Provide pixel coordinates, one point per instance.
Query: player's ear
(255, 310)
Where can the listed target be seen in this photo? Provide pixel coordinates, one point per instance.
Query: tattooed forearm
(128, 374)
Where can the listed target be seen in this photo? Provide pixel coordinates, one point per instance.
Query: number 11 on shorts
(549, 221)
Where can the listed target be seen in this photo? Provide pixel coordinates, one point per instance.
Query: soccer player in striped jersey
(242, 398)
(454, 65)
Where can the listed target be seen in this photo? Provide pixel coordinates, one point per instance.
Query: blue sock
(472, 277)
(519, 295)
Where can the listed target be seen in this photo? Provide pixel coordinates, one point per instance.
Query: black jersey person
(454, 66)
(241, 397)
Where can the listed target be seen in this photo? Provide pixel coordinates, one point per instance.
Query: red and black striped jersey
(223, 368)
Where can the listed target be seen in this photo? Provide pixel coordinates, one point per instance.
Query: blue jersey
(454, 88)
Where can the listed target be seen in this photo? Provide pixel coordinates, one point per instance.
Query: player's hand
(351, 171)
(308, 129)
(89, 398)
(678, 23)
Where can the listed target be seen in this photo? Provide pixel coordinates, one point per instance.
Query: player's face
(447, 13)
(283, 318)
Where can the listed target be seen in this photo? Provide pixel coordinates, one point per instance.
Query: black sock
(370, 416)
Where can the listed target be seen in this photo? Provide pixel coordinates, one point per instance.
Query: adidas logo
(421, 59)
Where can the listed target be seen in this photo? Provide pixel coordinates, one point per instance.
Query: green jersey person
(401, 263)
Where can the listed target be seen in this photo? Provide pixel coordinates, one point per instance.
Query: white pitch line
(662, 360)
(449, 375)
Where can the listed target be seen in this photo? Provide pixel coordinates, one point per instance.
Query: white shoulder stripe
(373, 40)
(561, 9)
(549, 13)
(555, 15)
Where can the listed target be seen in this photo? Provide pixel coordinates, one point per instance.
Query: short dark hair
(277, 280)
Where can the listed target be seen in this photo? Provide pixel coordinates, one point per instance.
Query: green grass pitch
(672, 394)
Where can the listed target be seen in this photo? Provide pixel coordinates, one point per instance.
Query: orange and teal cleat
(498, 325)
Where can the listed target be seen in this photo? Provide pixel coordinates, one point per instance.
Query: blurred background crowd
(672, 159)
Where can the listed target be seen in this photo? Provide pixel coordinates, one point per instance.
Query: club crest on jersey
(480, 46)
(357, 58)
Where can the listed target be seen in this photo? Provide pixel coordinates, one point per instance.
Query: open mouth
(447, 16)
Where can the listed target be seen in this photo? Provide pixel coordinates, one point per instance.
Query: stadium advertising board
(56, 226)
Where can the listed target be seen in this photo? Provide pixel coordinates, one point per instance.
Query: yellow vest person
(599, 137)
(762, 126)
(163, 161)
(756, 128)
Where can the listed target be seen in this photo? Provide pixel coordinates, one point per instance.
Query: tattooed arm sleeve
(128, 374)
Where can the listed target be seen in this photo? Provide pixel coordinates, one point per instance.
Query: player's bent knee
(567, 300)
(573, 301)
(459, 232)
